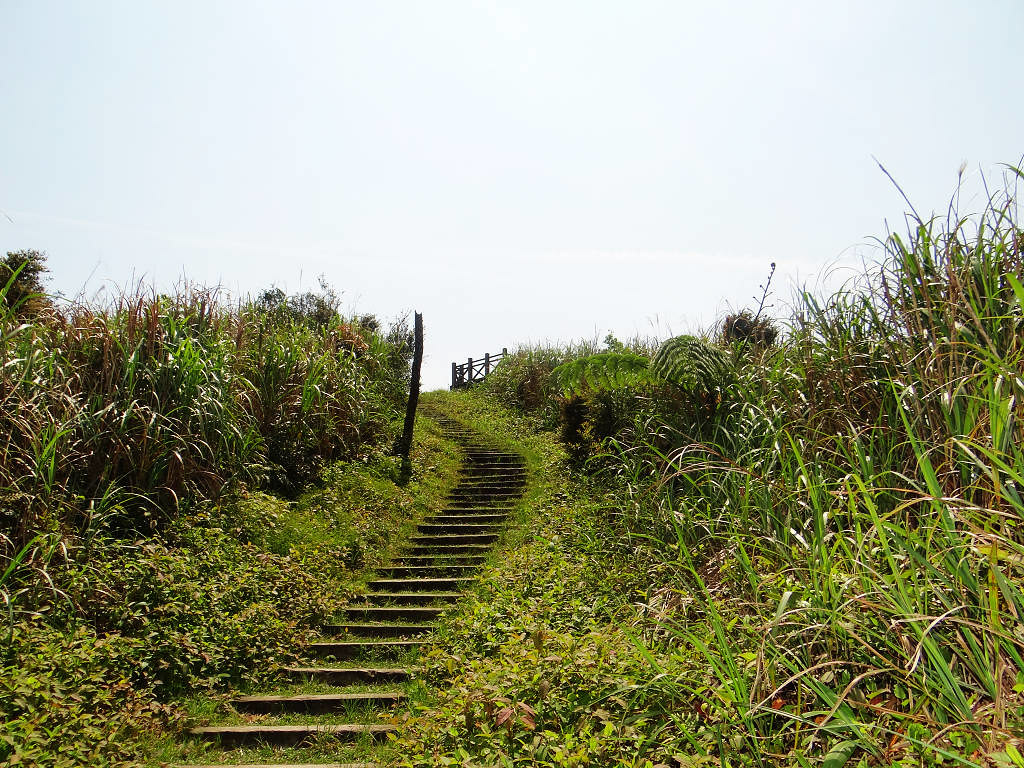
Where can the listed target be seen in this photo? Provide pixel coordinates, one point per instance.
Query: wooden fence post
(405, 442)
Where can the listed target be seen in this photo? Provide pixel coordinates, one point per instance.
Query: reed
(120, 418)
(849, 513)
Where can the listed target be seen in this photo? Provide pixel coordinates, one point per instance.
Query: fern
(686, 361)
(607, 370)
(692, 364)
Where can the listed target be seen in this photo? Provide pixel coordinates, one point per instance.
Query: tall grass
(120, 418)
(850, 515)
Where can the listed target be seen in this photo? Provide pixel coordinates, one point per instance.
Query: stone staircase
(351, 658)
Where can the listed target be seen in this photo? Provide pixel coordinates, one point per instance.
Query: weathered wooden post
(405, 442)
(455, 373)
(469, 371)
(487, 363)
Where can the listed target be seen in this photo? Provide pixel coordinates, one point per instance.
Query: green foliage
(65, 701)
(138, 560)
(21, 282)
(688, 362)
(693, 365)
(606, 370)
(105, 642)
(840, 536)
(124, 415)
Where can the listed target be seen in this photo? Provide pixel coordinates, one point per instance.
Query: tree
(21, 282)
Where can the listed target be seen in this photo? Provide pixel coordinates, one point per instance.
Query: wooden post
(405, 442)
(455, 370)
(469, 371)
(487, 363)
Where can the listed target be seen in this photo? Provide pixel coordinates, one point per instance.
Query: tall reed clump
(848, 515)
(118, 418)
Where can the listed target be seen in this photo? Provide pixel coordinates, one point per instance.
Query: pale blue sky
(516, 171)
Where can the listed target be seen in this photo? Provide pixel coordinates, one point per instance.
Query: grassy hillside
(787, 548)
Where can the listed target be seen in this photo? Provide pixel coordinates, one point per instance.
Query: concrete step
(350, 675)
(409, 585)
(493, 475)
(286, 765)
(463, 505)
(457, 528)
(368, 629)
(482, 494)
(449, 550)
(289, 735)
(417, 568)
(485, 491)
(438, 559)
(351, 650)
(442, 539)
(315, 703)
(403, 613)
(412, 598)
(481, 504)
(458, 518)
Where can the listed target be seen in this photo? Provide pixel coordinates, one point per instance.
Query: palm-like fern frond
(607, 370)
(692, 364)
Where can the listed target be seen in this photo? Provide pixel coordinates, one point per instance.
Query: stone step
(285, 765)
(462, 505)
(503, 502)
(315, 703)
(361, 629)
(351, 650)
(350, 675)
(476, 556)
(483, 481)
(443, 561)
(412, 598)
(289, 735)
(457, 528)
(493, 475)
(482, 494)
(436, 540)
(496, 519)
(449, 551)
(417, 567)
(403, 613)
(409, 585)
(486, 487)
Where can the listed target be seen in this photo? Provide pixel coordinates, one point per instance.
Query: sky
(517, 172)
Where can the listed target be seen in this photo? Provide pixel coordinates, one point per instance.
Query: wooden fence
(473, 371)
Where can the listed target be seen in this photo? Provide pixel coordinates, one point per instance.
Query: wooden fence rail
(473, 371)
